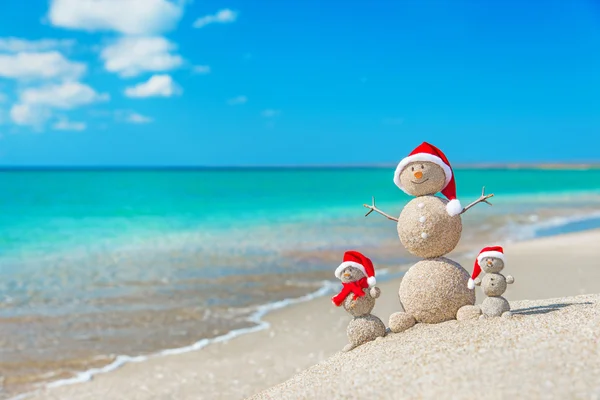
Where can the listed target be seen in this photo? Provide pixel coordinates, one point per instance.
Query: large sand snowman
(434, 289)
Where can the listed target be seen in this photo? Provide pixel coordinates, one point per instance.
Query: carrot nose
(418, 174)
(346, 275)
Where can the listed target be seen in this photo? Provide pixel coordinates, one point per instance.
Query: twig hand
(482, 199)
(373, 207)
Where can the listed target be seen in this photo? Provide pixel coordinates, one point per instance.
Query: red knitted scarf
(355, 287)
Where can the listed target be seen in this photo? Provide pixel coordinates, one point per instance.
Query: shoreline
(264, 318)
(120, 360)
(255, 318)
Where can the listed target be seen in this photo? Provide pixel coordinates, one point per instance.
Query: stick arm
(482, 199)
(373, 207)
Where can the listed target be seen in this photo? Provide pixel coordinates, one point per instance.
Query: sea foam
(256, 318)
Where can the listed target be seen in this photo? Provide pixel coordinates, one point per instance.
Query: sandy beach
(552, 344)
(548, 349)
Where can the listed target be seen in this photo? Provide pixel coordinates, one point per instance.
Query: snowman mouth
(418, 183)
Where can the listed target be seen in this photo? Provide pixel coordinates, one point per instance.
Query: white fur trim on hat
(454, 207)
(371, 281)
(493, 254)
(338, 270)
(471, 284)
(421, 157)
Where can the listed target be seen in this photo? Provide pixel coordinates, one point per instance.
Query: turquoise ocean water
(99, 263)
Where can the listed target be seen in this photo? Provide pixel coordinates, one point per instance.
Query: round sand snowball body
(434, 290)
(493, 284)
(426, 229)
(364, 329)
(361, 306)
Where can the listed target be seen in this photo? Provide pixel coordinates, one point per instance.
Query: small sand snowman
(435, 289)
(358, 298)
(491, 260)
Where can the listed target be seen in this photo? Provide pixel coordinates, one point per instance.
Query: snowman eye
(412, 169)
(422, 166)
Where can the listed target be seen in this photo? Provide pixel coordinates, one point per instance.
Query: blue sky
(159, 82)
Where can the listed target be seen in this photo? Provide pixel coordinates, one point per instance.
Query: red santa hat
(493, 251)
(359, 261)
(428, 152)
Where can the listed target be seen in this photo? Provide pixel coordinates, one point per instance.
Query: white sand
(549, 349)
(303, 335)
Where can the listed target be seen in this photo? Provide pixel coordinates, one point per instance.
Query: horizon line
(480, 166)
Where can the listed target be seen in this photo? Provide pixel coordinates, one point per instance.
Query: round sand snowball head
(364, 329)
(422, 178)
(426, 229)
(434, 290)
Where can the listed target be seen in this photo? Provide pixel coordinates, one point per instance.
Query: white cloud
(130, 17)
(221, 17)
(131, 117)
(130, 56)
(156, 86)
(46, 65)
(64, 124)
(27, 114)
(270, 113)
(17, 45)
(136, 118)
(237, 100)
(35, 105)
(201, 69)
(65, 96)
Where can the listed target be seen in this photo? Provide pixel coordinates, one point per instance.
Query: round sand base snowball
(401, 321)
(434, 290)
(468, 312)
(361, 306)
(494, 306)
(364, 329)
(426, 229)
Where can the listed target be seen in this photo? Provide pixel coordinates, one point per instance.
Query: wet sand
(305, 334)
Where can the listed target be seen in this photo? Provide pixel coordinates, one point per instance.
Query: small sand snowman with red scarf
(358, 298)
